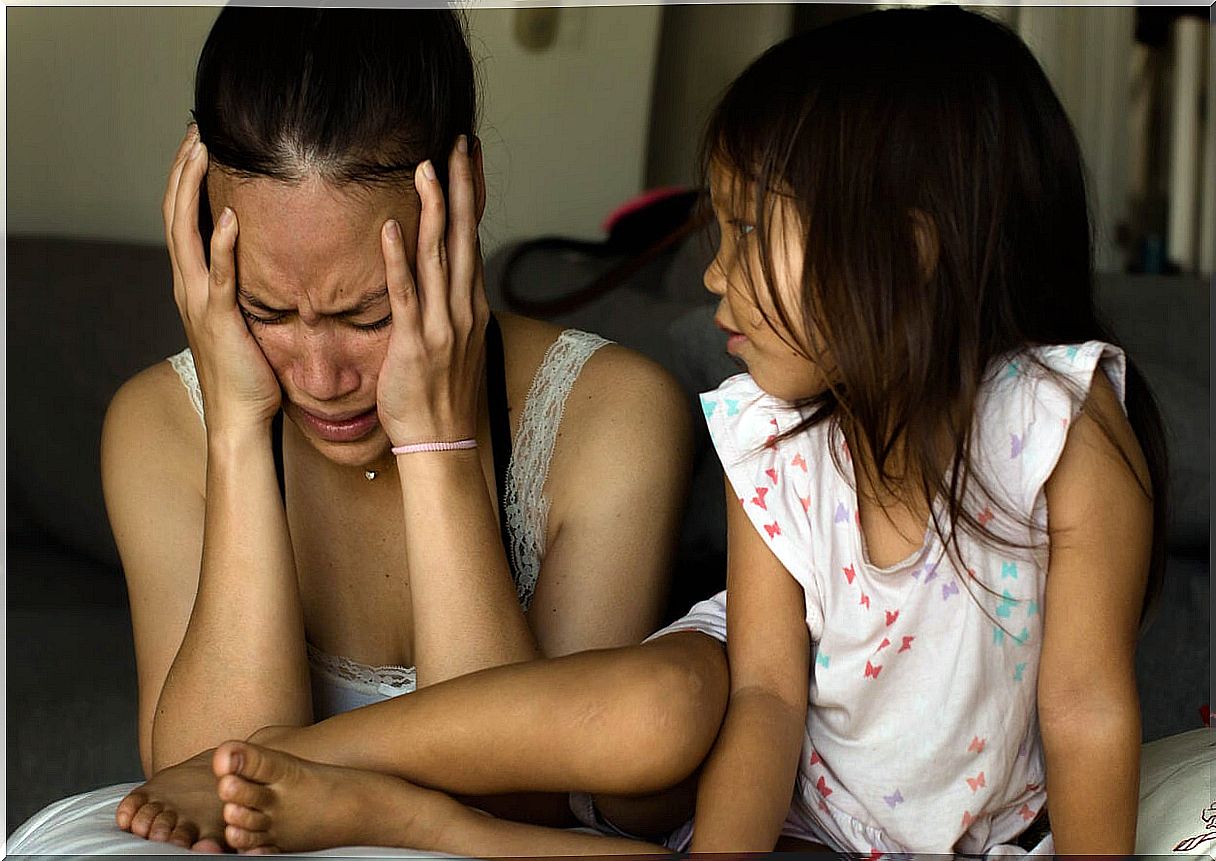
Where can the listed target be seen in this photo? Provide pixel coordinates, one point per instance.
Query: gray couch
(84, 316)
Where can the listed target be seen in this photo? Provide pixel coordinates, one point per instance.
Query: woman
(283, 564)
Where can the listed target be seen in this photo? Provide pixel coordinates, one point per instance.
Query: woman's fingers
(222, 282)
(481, 304)
(432, 262)
(185, 240)
(479, 177)
(462, 233)
(402, 291)
(175, 172)
(167, 206)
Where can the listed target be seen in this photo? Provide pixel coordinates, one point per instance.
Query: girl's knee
(684, 698)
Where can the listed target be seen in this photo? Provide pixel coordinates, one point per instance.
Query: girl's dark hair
(351, 95)
(943, 212)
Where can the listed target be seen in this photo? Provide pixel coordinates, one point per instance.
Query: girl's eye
(261, 321)
(373, 327)
(743, 229)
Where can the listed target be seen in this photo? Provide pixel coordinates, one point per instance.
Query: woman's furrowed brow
(250, 299)
(369, 300)
(366, 302)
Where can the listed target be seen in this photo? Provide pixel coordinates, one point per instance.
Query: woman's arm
(210, 615)
(214, 602)
(616, 479)
(748, 780)
(1100, 524)
(618, 483)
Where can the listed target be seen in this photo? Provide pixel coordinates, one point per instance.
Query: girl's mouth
(734, 340)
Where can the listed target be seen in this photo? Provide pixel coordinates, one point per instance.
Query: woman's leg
(628, 721)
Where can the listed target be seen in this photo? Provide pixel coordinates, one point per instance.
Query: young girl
(944, 494)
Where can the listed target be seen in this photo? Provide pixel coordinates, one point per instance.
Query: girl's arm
(1100, 524)
(748, 780)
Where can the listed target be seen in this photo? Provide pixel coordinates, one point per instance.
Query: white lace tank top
(340, 684)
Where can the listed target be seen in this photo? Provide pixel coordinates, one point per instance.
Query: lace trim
(183, 363)
(526, 506)
(387, 679)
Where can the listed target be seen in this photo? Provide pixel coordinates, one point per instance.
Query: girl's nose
(715, 276)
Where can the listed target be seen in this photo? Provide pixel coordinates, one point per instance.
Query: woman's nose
(320, 369)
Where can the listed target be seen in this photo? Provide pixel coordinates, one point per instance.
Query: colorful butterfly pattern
(880, 635)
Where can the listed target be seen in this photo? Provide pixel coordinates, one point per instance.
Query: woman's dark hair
(351, 95)
(943, 212)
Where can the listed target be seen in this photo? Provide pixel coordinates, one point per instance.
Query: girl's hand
(431, 376)
(239, 387)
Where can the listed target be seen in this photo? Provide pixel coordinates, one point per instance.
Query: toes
(184, 835)
(237, 790)
(128, 807)
(162, 826)
(243, 840)
(227, 758)
(249, 761)
(246, 818)
(143, 818)
(208, 844)
(262, 850)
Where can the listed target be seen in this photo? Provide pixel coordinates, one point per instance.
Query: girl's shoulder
(1069, 367)
(1051, 380)
(1027, 406)
(744, 420)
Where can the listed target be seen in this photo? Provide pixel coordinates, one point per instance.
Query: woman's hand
(239, 387)
(431, 376)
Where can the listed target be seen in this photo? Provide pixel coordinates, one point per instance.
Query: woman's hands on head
(431, 378)
(240, 390)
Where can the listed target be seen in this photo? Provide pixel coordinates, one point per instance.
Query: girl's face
(736, 275)
(311, 286)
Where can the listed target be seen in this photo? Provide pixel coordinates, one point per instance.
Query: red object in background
(641, 202)
(1205, 714)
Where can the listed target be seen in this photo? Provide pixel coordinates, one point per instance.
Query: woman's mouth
(340, 428)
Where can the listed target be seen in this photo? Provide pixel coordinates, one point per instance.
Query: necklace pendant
(369, 474)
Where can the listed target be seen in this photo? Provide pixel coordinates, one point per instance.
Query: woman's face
(311, 286)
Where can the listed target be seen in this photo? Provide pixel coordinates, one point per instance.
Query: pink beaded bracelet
(434, 446)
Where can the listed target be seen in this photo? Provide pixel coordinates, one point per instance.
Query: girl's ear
(928, 244)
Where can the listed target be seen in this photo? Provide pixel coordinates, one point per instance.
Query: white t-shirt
(921, 730)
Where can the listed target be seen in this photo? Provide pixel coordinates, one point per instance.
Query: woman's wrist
(238, 440)
(436, 446)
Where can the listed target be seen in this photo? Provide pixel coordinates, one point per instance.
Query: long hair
(941, 194)
(351, 95)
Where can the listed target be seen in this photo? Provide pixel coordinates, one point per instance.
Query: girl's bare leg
(274, 801)
(629, 721)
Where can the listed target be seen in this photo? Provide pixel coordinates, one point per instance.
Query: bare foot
(178, 806)
(274, 801)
